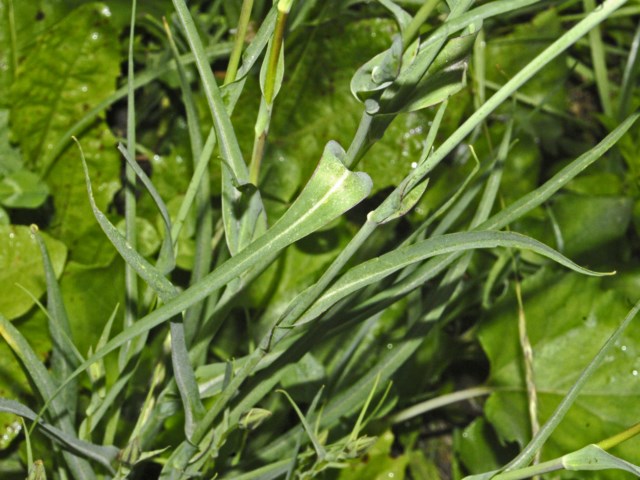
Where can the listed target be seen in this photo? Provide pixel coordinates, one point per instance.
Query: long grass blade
(104, 455)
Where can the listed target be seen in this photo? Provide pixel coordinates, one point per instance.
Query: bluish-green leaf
(592, 457)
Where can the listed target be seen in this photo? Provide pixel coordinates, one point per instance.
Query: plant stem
(236, 53)
(131, 279)
(441, 401)
(266, 105)
(411, 32)
(620, 437)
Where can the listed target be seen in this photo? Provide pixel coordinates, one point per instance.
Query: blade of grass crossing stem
(166, 260)
(547, 429)
(130, 277)
(194, 185)
(104, 455)
(231, 91)
(46, 386)
(154, 278)
(240, 227)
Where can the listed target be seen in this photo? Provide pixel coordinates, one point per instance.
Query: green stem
(234, 59)
(620, 437)
(274, 55)
(411, 32)
(358, 145)
(131, 279)
(266, 107)
(13, 49)
(438, 402)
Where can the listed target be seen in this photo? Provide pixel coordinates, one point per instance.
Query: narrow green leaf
(384, 265)
(156, 280)
(104, 455)
(185, 379)
(63, 360)
(320, 451)
(166, 261)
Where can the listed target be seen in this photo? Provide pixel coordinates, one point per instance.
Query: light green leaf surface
(593, 457)
(22, 189)
(21, 263)
(567, 322)
(51, 91)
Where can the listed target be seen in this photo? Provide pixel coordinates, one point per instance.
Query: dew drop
(634, 373)
(156, 158)
(389, 346)
(623, 348)
(414, 164)
(179, 159)
(391, 475)
(95, 36)
(12, 235)
(84, 88)
(105, 11)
